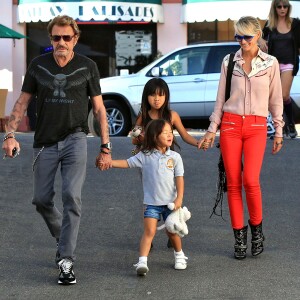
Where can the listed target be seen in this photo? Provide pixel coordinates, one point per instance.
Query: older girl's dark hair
(63, 20)
(152, 87)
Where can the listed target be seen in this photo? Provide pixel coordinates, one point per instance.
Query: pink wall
(171, 34)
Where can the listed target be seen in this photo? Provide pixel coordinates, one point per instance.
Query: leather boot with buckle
(257, 239)
(240, 245)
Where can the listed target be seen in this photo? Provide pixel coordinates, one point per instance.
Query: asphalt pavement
(111, 227)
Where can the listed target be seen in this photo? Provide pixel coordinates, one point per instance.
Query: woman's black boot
(240, 245)
(257, 239)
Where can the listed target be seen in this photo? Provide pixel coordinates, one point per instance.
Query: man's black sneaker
(292, 131)
(66, 273)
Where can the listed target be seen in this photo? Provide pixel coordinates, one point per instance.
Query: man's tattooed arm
(18, 112)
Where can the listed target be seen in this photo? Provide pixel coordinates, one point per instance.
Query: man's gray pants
(71, 156)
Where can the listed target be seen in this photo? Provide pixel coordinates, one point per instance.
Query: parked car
(192, 74)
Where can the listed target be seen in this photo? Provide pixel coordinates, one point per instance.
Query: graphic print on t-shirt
(170, 163)
(60, 82)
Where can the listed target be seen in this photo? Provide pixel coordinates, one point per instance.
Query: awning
(7, 33)
(91, 10)
(211, 10)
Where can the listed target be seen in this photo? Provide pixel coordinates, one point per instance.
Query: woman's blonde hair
(273, 16)
(248, 26)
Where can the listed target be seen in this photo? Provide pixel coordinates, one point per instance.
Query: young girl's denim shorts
(155, 212)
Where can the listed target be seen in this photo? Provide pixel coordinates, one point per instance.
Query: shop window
(202, 32)
(133, 49)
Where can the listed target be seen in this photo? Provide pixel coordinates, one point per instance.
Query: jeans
(243, 138)
(71, 155)
(154, 212)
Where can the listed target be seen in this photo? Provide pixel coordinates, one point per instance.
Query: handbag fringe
(221, 187)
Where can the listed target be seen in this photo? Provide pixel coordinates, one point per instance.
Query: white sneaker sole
(142, 271)
(180, 267)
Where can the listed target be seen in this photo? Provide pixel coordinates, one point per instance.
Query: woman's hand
(207, 141)
(277, 144)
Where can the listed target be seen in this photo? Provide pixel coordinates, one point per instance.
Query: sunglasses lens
(66, 38)
(248, 38)
(56, 38)
(282, 6)
(239, 38)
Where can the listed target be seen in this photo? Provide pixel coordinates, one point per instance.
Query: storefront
(115, 34)
(124, 34)
(212, 20)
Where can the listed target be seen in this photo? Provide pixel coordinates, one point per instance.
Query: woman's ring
(280, 143)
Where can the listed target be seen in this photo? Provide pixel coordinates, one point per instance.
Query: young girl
(162, 177)
(156, 105)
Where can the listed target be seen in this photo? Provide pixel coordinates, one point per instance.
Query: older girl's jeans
(71, 155)
(243, 138)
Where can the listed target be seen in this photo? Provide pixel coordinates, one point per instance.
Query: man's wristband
(102, 151)
(8, 137)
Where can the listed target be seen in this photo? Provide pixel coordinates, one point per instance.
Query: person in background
(255, 90)
(163, 183)
(281, 38)
(64, 82)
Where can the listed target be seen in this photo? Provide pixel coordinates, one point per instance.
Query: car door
(213, 69)
(184, 73)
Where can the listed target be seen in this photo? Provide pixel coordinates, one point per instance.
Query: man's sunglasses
(66, 38)
(247, 38)
(282, 6)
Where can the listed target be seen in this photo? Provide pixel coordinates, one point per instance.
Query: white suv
(192, 74)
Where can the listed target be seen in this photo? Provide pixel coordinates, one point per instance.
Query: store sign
(91, 10)
(211, 10)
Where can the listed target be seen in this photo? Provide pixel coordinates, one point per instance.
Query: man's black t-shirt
(62, 95)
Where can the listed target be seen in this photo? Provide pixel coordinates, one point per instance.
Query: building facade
(123, 34)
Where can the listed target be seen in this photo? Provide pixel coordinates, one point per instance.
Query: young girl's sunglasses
(66, 38)
(282, 6)
(247, 38)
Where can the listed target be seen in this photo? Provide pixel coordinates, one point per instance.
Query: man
(63, 82)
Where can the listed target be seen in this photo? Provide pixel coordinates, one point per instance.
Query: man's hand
(103, 161)
(11, 147)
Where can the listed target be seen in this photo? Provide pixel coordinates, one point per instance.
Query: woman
(282, 39)
(255, 89)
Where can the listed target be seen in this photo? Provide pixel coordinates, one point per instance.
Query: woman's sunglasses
(282, 6)
(66, 38)
(247, 38)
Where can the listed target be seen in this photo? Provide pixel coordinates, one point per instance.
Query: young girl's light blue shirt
(158, 175)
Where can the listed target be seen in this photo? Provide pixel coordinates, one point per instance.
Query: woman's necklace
(72, 55)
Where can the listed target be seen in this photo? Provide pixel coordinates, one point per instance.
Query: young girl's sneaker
(180, 261)
(141, 268)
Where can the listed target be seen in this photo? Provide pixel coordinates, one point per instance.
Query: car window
(216, 57)
(184, 62)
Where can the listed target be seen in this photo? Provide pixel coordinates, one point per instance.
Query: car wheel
(117, 117)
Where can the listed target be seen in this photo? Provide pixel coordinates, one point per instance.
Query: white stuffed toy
(176, 221)
(136, 131)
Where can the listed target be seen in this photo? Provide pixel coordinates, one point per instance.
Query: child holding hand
(163, 183)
